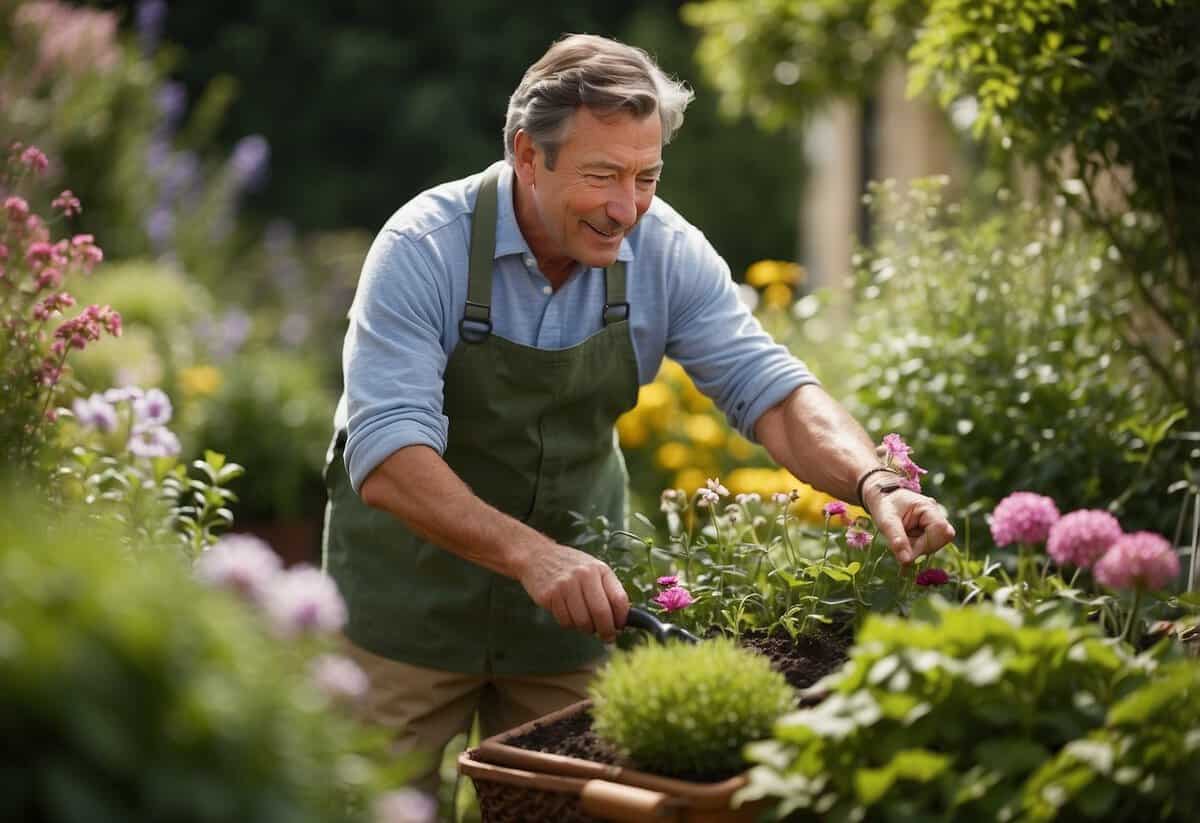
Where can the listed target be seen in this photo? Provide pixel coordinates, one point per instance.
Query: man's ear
(525, 157)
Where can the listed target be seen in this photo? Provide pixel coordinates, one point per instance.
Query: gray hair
(605, 75)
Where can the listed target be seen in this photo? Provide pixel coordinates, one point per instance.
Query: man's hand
(579, 590)
(912, 523)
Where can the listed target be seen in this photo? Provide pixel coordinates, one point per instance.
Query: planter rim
(497, 751)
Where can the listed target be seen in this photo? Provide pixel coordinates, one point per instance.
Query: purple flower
(305, 599)
(249, 161)
(1142, 560)
(95, 413)
(153, 442)
(674, 599)
(1023, 517)
(932, 577)
(152, 409)
(1082, 537)
(172, 100)
(149, 18)
(835, 508)
(122, 394)
(405, 806)
(339, 677)
(241, 563)
(857, 538)
(668, 581)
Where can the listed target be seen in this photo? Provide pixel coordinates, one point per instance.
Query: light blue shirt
(413, 288)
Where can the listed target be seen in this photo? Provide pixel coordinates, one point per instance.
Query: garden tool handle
(619, 801)
(642, 619)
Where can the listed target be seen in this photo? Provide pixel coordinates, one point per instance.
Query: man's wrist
(881, 479)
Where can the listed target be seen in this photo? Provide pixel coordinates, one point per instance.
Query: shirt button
(547, 290)
(529, 261)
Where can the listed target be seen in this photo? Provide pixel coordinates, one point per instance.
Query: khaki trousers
(425, 708)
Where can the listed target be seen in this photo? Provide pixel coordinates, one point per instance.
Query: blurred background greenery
(235, 159)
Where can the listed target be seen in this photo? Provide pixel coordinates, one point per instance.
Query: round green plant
(687, 710)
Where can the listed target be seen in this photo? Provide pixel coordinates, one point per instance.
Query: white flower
(154, 442)
(405, 806)
(95, 413)
(152, 409)
(239, 562)
(746, 499)
(706, 498)
(339, 677)
(781, 498)
(304, 599)
(122, 394)
(714, 484)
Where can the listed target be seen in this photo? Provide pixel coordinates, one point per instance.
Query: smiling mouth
(605, 235)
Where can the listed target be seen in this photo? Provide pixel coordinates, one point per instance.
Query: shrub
(128, 692)
(688, 709)
(946, 716)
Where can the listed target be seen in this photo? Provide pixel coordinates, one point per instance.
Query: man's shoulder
(444, 209)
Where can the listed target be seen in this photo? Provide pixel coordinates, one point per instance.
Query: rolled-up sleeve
(393, 359)
(720, 343)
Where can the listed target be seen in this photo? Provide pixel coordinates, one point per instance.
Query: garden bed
(556, 768)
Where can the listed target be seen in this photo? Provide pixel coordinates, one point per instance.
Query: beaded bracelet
(887, 489)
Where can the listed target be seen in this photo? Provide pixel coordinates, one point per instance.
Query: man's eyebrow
(610, 166)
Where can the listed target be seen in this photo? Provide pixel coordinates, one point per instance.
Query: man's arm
(815, 438)
(416, 486)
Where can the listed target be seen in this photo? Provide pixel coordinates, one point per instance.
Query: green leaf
(1011, 755)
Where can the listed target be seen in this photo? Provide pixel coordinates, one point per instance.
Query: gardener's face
(602, 182)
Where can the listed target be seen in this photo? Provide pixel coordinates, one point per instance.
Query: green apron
(532, 433)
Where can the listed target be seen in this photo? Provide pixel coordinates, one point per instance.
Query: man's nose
(622, 206)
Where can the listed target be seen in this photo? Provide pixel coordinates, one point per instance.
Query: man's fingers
(599, 608)
(558, 608)
(893, 531)
(580, 616)
(617, 598)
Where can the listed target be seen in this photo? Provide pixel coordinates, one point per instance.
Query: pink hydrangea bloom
(857, 538)
(1082, 537)
(835, 508)
(667, 581)
(405, 806)
(305, 599)
(674, 599)
(1023, 517)
(339, 677)
(932, 577)
(1142, 560)
(241, 563)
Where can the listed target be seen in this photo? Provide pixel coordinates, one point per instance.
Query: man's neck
(556, 267)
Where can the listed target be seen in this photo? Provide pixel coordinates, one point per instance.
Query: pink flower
(1082, 537)
(1142, 560)
(932, 577)
(152, 409)
(668, 581)
(835, 508)
(404, 806)
(34, 159)
(1023, 517)
(339, 677)
(895, 446)
(241, 563)
(17, 208)
(674, 599)
(305, 599)
(67, 203)
(857, 538)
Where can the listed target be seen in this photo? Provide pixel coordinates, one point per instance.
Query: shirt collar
(509, 239)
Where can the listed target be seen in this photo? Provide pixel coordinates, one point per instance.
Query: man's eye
(603, 178)
(648, 181)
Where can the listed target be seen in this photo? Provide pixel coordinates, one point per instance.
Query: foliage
(1145, 757)
(780, 61)
(983, 337)
(947, 715)
(1107, 96)
(130, 693)
(688, 709)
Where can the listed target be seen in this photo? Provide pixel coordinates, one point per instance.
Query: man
(502, 324)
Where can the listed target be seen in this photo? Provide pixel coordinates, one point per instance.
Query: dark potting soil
(802, 662)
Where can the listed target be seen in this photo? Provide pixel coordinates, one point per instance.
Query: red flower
(932, 577)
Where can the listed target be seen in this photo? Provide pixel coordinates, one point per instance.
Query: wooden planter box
(517, 785)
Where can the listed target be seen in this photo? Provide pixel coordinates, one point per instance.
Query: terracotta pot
(515, 784)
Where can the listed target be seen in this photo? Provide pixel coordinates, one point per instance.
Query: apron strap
(616, 307)
(476, 324)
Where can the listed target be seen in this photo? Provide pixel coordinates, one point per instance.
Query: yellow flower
(199, 381)
(739, 448)
(691, 479)
(673, 456)
(765, 481)
(631, 428)
(777, 296)
(704, 430)
(768, 272)
(653, 396)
